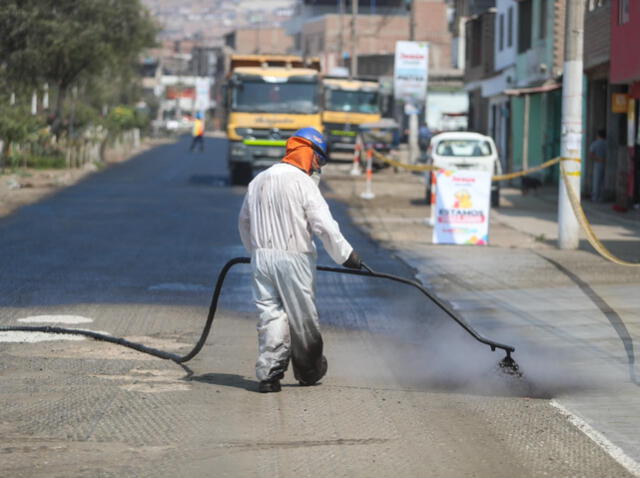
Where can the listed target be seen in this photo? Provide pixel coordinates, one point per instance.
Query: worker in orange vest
(198, 133)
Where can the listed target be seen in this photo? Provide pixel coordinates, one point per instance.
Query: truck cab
(268, 98)
(348, 103)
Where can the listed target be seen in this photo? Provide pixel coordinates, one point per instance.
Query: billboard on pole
(411, 71)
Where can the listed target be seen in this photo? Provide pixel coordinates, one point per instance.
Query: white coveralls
(282, 210)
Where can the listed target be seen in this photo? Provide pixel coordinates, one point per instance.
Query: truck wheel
(241, 174)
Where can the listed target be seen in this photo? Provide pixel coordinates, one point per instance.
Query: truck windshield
(286, 97)
(463, 147)
(353, 101)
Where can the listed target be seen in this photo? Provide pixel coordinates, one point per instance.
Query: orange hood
(299, 154)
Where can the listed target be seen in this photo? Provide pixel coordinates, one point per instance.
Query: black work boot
(313, 378)
(272, 385)
(269, 386)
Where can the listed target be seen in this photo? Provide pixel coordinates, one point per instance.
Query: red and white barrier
(368, 192)
(432, 217)
(355, 168)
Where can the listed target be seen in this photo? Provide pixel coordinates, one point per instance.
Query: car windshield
(282, 97)
(353, 101)
(463, 147)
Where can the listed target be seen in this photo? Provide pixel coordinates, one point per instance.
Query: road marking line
(603, 442)
(34, 337)
(56, 319)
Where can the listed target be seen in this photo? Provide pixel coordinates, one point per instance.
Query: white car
(465, 150)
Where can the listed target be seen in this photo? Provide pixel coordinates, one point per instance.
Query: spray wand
(507, 364)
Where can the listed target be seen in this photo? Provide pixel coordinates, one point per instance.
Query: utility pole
(341, 35)
(412, 20)
(571, 139)
(353, 72)
(413, 108)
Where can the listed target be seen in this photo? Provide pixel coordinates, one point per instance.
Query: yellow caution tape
(408, 167)
(504, 177)
(584, 223)
(573, 197)
(500, 177)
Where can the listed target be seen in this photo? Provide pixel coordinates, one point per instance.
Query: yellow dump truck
(348, 104)
(268, 98)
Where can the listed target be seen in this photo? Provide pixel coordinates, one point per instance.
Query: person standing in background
(424, 138)
(598, 156)
(198, 133)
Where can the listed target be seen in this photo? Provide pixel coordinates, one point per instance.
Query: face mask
(315, 176)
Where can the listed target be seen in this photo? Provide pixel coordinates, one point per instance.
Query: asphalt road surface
(134, 250)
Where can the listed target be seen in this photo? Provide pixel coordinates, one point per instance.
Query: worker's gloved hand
(353, 261)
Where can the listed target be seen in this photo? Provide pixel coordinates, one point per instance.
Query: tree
(61, 42)
(16, 125)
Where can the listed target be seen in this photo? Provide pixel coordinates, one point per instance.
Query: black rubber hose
(368, 272)
(213, 307)
(140, 347)
(371, 273)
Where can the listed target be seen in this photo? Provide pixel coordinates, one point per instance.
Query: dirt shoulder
(27, 186)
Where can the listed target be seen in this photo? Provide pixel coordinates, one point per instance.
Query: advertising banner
(203, 95)
(463, 200)
(411, 72)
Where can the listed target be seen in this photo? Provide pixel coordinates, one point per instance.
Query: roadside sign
(203, 95)
(619, 102)
(463, 201)
(411, 109)
(411, 71)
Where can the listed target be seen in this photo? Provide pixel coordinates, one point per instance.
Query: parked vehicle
(348, 104)
(465, 150)
(268, 98)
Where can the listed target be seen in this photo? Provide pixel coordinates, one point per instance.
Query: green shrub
(37, 161)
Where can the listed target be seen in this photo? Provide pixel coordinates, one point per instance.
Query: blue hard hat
(318, 142)
(199, 115)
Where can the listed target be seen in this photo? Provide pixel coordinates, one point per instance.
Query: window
(463, 148)
(501, 33)
(542, 30)
(524, 26)
(593, 4)
(510, 27)
(351, 101)
(623, 11)
(252, 93)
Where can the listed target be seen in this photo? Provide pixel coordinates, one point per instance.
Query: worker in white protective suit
(282, 211)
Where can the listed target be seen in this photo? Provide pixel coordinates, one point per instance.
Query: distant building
(623, 132)
(597, 56)
(271, 40)
(513, 52)
(479, 66)
(536, 106)
(320, 30)
(205, 61)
